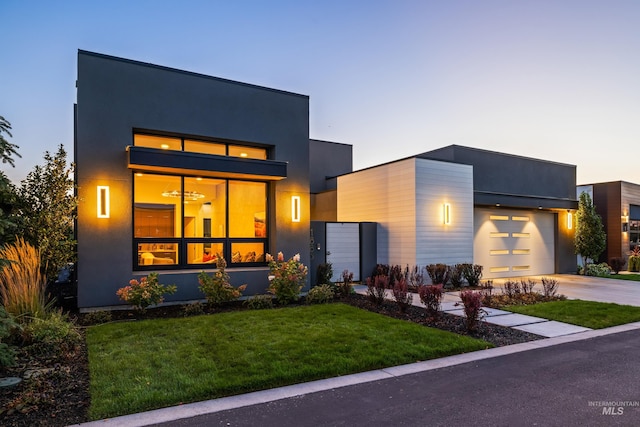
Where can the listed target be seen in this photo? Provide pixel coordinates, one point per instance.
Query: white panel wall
(343, 249)
(384, 194)
(439, 183)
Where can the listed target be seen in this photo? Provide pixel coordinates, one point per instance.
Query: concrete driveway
(592, 288)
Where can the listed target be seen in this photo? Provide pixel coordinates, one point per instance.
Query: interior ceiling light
(188, 195)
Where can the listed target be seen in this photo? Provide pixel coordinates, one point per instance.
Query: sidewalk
(535, 325)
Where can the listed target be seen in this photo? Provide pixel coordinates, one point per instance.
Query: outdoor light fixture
(569, 220)
(103, 201)
(295, 208)
(625, 223)
(446, 214)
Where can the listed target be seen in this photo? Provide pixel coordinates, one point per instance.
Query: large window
(182, 222)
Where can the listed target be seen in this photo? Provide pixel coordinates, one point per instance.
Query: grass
(142, 365)
(631, 276)
(590, 314)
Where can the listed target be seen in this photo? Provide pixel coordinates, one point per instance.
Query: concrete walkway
(536, 325)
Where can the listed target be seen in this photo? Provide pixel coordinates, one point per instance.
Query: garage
(510, 243)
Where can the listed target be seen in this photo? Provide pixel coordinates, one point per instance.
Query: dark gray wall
(328, 159)
(507, 174)
(116, 96)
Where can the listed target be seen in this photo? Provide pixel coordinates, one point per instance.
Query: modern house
(618, 203)
(174, 169)
(513, 215)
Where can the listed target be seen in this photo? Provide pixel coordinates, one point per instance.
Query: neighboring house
(618, 203)
(512, 215)
(174, 169)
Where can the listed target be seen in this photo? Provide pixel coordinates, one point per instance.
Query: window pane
(157, 206)
(248, 152)
(247, 209)
(204, 207)
(157, 254)
(204, 253)
(205, 147)
(157, 142)
(247, 252)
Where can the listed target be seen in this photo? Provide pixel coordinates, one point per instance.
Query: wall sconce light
(103, 201)
(569, 220)
(625, 223)
(295, 208)
(446, 214)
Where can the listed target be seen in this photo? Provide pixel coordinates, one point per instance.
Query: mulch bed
(58, 393)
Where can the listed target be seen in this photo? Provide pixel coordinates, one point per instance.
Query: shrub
(634, 259)
(23, 284)
(321, 294)
(511, 288)
(54, 336)
(97, 317)
(141, 294)
(324, 274)
(287, 277)
(401, 294)
(431, 296)
(7, 326)
(259, 302)
(345, 287)
(472, 302)
(486, 288)
(376, 287)
(416, 278)
(617, 264)
(455, 275)
(549, 287)
(217, 288)
(472, 273)
(193, 309)
(598, 270)
(396, 274)
(527, 285)
(438, 273)
(380, 270)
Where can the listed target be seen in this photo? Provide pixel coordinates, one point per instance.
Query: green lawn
(590, 314)
(142, 365)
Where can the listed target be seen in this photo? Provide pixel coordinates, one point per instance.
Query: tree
(590, 238)
(7, 149)
(8, 227)
(47, 211)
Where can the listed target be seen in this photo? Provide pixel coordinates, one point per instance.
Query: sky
(557, 80)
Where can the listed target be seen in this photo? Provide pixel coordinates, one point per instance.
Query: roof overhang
(146, 159)
(520, 201)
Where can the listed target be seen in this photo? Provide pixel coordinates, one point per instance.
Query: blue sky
(557, 80)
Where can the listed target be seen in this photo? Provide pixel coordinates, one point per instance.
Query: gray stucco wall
(116, 96)
(328, 159)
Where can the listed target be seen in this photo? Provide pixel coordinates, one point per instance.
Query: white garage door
(343, 248)
(514, 243)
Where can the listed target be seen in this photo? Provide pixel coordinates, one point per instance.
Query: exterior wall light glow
(446, 214)
(625, 223)
(569, 221)
(295, 208)
(103, 201)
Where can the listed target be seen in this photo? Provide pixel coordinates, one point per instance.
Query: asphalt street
(593, 382)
